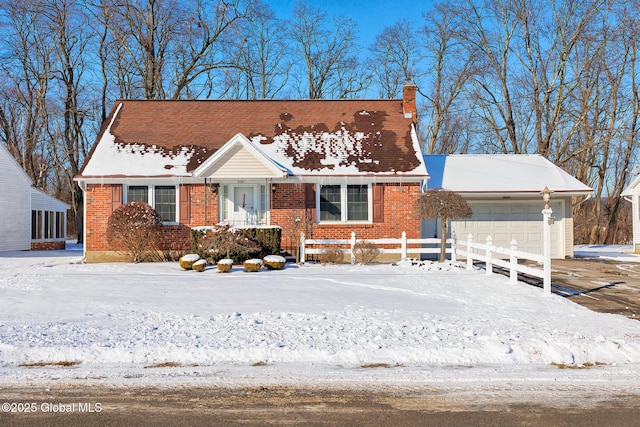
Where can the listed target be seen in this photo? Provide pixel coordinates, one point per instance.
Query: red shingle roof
(384, 136)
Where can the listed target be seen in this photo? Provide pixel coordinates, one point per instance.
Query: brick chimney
(409, 101)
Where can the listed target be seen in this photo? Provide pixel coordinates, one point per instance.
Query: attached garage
(513, 220)
(504, 192)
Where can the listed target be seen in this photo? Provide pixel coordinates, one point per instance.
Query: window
(344, 203)
(34, 225)
(357, 203)
(163, 198)
(60, 225)
(138, 193)
(330, 205)
(165, 202)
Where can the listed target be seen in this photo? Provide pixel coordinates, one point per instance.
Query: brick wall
(203, 211)
(204, 205)
(98, 212)
(48, 246)
(288, 211)
(288, 205)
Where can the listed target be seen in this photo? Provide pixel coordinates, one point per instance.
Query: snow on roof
(305, 137)
(117, 158)
(43, 201)
(341, 152)
(486, 173)
(629, 190)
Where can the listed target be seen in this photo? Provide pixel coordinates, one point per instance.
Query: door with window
(244, 206)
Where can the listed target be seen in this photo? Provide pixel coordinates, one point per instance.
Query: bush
(331, 255)
(268, 238)
(134, 229)
(224, 241)
(187, 261)
(199, 265)
(274, 262)
(235, 243)
(252, 265)
(225, 265)
(365, 252)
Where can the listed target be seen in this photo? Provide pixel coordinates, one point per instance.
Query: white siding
(15, 205)
(239, 162)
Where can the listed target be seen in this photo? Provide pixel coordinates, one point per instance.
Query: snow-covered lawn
(305, 325)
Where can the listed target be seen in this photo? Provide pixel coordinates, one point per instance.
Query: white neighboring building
(632, 194)
(48, 221)
(15, 204)
(504, 192)
(31, 219)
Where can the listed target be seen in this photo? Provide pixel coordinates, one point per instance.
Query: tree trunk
(443, 239)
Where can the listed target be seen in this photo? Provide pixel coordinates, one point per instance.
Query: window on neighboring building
(60, 225)
(344, 203)
(34, 225)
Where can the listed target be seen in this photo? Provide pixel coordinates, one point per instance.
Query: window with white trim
(344, 203)
(163, 198)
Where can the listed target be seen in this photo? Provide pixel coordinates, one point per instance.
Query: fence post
(353, 247)
(513, 263)
(546, 242)
(454, 247)
(403, 244)
(302, 251)
(470, 252)
(489, 255)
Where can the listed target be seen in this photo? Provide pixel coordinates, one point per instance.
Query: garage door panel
(507, 221)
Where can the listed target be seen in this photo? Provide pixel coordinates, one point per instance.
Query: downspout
(83, 187)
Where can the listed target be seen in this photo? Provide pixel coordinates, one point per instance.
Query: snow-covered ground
(311, 325)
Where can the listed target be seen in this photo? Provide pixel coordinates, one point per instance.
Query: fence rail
(405, 246)
(487, 253)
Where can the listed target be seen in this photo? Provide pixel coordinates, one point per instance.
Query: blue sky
(370, 15)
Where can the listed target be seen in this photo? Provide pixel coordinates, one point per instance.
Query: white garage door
(504, 221)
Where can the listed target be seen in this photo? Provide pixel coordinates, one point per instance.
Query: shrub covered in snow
(225, 265)
(274, 262)
(187, 261)
(134, 228)
(199, 265)
(253, 264)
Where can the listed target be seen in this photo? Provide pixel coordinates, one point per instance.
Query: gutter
(587, 197)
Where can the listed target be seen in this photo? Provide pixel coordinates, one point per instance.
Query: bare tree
(453, 64)
(260, 56)
(491, 30)
(394, 58)
(67, 26)
(326, 52)
(27, 66)
(441, 204)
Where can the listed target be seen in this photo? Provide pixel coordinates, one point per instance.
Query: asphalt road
(282, 406)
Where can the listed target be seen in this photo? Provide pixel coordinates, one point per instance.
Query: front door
(244, 207)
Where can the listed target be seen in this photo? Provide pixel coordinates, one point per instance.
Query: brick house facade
(325, 168)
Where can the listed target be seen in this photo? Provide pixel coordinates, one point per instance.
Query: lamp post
(546, 241)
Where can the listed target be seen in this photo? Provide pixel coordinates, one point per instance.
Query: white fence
(487, 253)
(404, 247)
